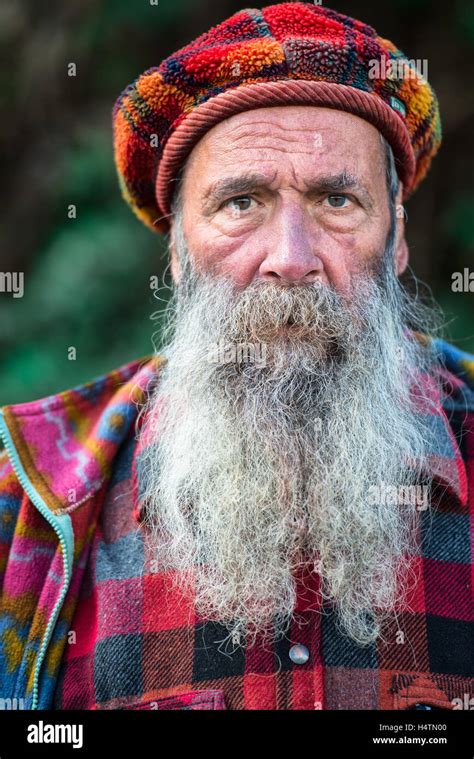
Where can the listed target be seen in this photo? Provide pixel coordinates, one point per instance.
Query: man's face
(289, 195)
(258, 461)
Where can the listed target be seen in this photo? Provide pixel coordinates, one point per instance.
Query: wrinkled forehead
(287, 144)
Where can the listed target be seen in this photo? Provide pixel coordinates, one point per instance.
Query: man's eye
(337, 201)
(238, 205)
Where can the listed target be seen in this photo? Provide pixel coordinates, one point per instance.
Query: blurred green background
(87, 279)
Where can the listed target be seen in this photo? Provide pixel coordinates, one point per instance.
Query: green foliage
(457, 223)
(89, 287)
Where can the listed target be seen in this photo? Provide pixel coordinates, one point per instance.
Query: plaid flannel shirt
(86, 622)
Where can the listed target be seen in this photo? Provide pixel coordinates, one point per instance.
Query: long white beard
(265, 462)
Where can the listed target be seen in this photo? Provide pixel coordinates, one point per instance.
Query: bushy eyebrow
(227, 187)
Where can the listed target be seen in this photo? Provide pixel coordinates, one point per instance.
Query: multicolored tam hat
(285, 54)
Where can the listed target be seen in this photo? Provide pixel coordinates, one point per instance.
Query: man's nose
(291, 258)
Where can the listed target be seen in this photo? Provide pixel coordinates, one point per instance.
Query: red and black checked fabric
(137, 645)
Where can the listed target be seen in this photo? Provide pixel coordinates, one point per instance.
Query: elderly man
(272, 511)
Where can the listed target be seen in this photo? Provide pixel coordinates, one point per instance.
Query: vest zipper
(63, 528)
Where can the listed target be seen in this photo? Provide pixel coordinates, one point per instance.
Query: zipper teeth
(37, 501)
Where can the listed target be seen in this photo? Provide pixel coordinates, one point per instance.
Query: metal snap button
(299, 654)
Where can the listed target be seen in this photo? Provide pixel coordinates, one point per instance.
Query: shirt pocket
(432, 691)
(189, 701)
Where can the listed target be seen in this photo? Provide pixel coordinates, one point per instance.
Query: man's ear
(401, 247)
(401, 257)
(175, 267)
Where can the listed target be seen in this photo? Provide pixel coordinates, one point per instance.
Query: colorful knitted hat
(285, 54)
